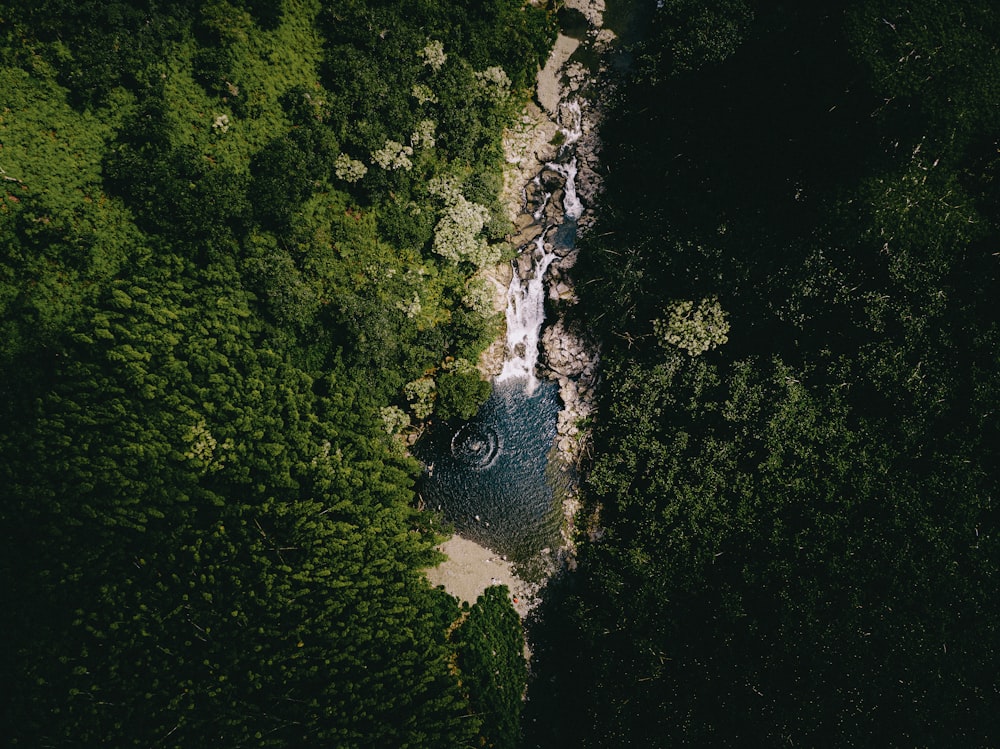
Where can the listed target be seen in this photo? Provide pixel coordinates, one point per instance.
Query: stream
(498, 478)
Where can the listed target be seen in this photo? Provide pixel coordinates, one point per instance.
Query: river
(499, 478)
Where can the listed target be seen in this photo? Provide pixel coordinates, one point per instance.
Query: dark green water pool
(493, 477)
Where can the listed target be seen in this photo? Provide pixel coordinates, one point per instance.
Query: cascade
(491, 476)
(525, 313)
(525, 316)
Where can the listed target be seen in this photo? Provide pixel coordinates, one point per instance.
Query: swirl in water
(476, 446)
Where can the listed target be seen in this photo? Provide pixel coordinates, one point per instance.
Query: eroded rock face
(534, 195)
(527, 147)
(491, 360)
(573, 364)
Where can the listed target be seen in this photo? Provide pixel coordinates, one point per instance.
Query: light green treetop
(433, 54)
(694, 328)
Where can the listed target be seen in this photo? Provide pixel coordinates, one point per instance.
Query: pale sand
(549, 78)
(471, 568)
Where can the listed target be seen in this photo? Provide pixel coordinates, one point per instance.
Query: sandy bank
(472, 568)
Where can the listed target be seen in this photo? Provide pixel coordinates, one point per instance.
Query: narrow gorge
(506, 479)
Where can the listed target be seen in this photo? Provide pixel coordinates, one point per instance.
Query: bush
(460, 393)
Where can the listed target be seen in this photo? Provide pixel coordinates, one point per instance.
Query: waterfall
(526, 293)
(572, 206)
(570, 111)
(525, 315)
(491, 476)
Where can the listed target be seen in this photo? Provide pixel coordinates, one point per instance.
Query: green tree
(696, 329)
(491, 660)
(460, 393)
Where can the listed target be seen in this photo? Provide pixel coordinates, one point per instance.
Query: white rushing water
(490, 476)
(571, 203)
(571, 119)
(525, 315)
(526, 295)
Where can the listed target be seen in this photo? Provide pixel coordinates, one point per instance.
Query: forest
(790, 536)
(241, 246)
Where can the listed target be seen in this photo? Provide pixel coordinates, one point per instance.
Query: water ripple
(476, 446)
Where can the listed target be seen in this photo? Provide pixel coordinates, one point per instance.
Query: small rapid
(526, 293)
(494, 477)
(525, 316)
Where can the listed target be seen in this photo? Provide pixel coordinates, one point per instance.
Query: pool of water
(493, 477)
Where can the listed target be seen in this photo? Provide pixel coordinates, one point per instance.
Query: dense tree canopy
(216, 275)
(795, 533)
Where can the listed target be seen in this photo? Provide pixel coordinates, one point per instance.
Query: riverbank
(544, 198)
(471, 568)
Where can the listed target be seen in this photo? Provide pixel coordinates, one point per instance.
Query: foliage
(457, 235)
(461, 390)
(210, 299)
(196, 528)
(393, 155)
(395, 419)
(491, 660)
(692, 34)
(421, 393)
(793, 540)
(433, 54)
(694, 329)
(52, 207)
(348, 169)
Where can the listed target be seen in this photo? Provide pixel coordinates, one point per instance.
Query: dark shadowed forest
(242, 255)
(793, 492)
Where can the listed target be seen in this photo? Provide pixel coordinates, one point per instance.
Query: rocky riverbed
(535, 193)
(565, 92)
(567, 105)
